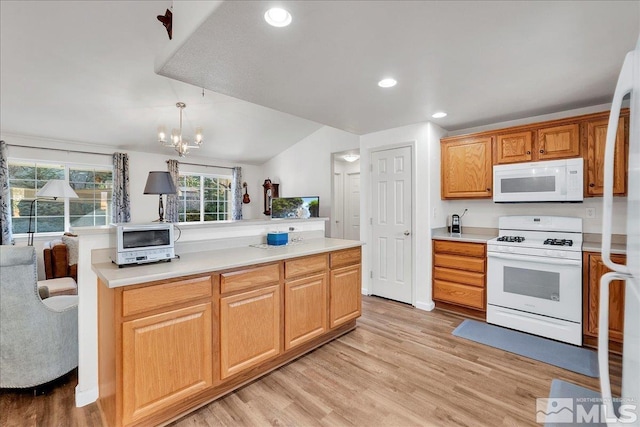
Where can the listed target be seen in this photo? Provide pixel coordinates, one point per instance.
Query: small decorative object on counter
(278, 238)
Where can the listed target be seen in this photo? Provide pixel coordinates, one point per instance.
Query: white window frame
(202, 176)
(67, 213)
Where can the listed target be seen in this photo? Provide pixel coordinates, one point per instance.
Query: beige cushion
(72, 247)
(60, 286)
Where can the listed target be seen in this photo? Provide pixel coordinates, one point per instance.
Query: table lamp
(160, 182)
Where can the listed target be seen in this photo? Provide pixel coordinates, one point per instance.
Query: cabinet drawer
(302, 266)
(459, 276)
(135, 301)
(459, 262)
(454, 293)
(460, 248)
(346, 257)
(247, 278)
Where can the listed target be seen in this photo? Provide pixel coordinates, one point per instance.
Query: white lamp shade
(57, 188)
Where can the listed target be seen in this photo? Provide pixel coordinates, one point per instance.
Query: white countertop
(214, 260)
(443, 234)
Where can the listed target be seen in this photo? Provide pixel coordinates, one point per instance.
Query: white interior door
(337, 226)
(352, 202)
(391, 180)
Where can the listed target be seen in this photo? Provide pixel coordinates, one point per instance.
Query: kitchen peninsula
(175, 336)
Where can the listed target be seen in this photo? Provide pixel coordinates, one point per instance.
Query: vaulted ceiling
(84, 71)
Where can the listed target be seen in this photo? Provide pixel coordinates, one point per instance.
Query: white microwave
(547, 181)
(141, 243)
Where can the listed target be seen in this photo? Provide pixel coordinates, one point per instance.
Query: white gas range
(534, 276)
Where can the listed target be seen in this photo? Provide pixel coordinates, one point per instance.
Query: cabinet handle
(592, 185)
(541, 151)
(528, 152)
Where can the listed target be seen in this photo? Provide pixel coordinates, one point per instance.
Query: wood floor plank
(400, 367)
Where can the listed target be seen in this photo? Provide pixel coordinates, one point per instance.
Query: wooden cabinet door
(514, 147)
(466, 168)
(305, 317)
(558, 142)
(596, 140)
(166, 358)
(249, 329)
(596, 269)
(345, 295)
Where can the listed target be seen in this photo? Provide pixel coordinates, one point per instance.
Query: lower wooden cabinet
(346, 295)
(305, 315)
(459, 277)
(593, 269)
(167, 347)
(165, 359)
(249, 329)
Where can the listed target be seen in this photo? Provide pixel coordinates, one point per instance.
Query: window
(92, 207)
(203, 198)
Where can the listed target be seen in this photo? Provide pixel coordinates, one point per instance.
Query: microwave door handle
(555, 261)
(624, 86)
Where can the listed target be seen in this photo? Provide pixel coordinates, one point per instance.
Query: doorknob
(406, 233)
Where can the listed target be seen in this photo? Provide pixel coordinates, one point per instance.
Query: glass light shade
(162, 134)
(175, 136)
(198, 136)
(57, 188)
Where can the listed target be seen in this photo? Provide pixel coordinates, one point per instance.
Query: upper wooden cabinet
(558, 142)
(596, 138)
(467, 160)
(466, 168)
(550, 143)
(514, 147)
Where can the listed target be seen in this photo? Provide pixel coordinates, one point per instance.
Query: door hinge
(371, 274)
(370, 221)
(371, 167)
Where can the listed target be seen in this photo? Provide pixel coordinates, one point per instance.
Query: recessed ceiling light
(277, 17)
(388, 82)
(439, 115)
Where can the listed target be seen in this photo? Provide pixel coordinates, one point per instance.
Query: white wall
(305, 168)
(424, 138)
(485, 213)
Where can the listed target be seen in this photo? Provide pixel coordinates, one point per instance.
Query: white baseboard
(427, 306)
(365, 291)
(85, 397)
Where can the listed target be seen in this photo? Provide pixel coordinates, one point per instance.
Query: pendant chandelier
(177, 141)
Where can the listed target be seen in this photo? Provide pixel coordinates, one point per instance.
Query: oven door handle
(526, 258)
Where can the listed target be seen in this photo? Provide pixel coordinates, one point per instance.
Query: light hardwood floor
(400, 367)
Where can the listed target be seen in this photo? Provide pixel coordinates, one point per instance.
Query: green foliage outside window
(203, 198)
(93, 206)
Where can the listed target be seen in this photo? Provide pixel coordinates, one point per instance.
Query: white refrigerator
(628, 83)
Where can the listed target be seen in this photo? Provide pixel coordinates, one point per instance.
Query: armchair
(39, 338)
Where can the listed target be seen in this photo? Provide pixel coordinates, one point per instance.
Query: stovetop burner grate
(511, 239)
(558, 242)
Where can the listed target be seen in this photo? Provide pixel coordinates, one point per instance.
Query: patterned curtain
(121, 200)
(236, 193)
(5, 198)
(171, 211)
